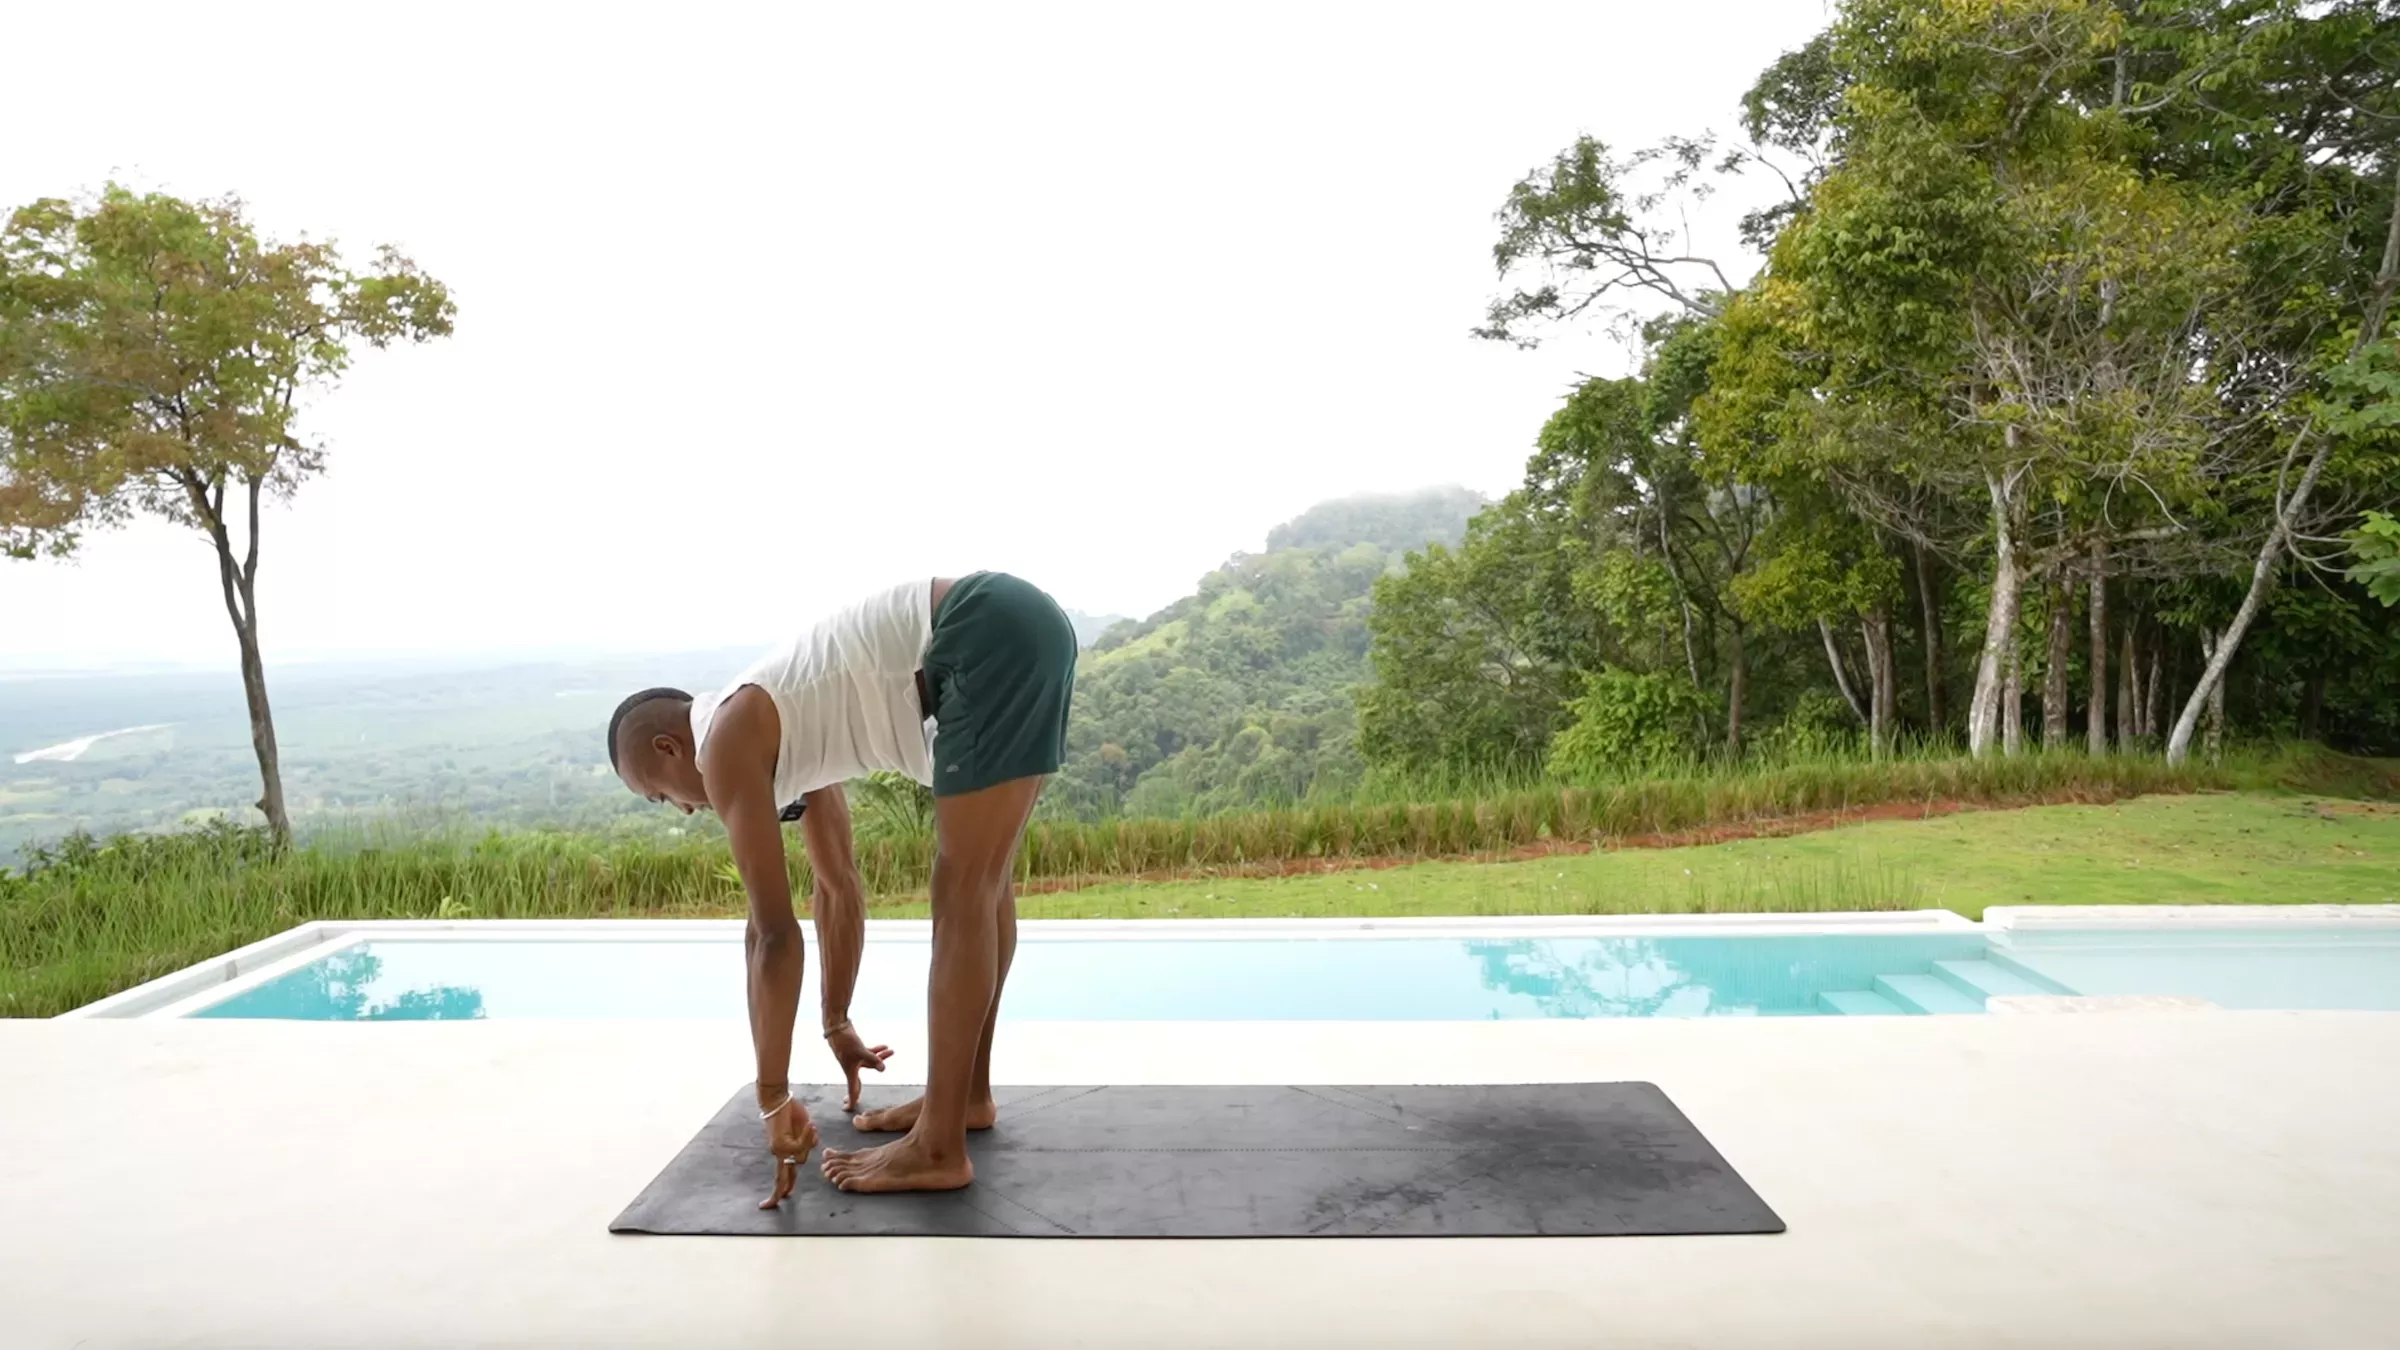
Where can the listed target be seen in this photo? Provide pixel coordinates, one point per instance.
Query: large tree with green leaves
(2085, 338)
(1585, 237)
(2359, 410)
(2049, 290)
(154, 356)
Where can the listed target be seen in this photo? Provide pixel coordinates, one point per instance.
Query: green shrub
(1627, 721)
(1819, 724)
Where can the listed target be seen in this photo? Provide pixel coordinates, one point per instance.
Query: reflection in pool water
(337, 989)
(1305, 978)
(1630, 978)
(1133, 979)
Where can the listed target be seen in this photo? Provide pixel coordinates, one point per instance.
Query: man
(990, 660)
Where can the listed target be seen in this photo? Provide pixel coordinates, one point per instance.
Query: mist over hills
(1198, 692)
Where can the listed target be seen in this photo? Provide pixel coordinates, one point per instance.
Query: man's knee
(972, 879)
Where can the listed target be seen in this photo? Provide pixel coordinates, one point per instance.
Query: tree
(1712, 517)
(1582, 234)
(1478, 652)
(153, 356)
(2000, 262)
(2368, 411)
(1825, 567)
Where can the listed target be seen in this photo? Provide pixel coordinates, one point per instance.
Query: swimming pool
(1454, 970)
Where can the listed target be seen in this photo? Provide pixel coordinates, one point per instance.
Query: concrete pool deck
(2187, 1179)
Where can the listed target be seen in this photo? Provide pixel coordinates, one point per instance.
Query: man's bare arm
(840, 905)
(739, 767)
(839, 901)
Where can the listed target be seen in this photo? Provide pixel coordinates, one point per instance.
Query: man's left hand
(854, 1054)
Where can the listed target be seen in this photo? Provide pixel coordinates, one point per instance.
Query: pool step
(1925, 994)
(1951, 987)
(1980, 980)
(2042, 984)
(1859, 1003)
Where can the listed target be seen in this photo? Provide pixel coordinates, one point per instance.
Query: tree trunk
(2209, 688)
(2012, 707)
(2152, 692)
(1841, 674)
(2174, 669)
(1882, 679)
(2141, 690)
(1683, 601)
(2000, 618)
(1736, 688)
(1929, 605)
(2054, 669)
(239, 583)
(2216, 719)
(2213, 742)
(2129, 700)
(2095, 713)
(262, 726)
(2312, 706)
(1891, 680)
(1683, 598)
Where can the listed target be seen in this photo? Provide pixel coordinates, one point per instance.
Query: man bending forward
(990, 660)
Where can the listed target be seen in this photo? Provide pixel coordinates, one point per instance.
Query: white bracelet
(787, 1101)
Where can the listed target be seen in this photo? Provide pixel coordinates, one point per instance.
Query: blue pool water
(1386, 978)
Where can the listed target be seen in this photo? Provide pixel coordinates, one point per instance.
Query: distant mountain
(1089, 627)
(1241, 691)
(1395, 522)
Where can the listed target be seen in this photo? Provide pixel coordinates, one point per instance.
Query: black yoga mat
(1558, 1160)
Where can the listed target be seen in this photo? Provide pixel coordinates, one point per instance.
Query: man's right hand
(854, 1054)
(791, 1137)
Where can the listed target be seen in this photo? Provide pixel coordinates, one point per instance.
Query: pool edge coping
(146, 999)
(2004, 919)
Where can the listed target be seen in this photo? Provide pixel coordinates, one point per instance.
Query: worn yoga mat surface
(1556, 1160)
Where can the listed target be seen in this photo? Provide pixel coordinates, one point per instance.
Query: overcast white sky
(762, 307)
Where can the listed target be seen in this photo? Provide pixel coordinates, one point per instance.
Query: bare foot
(901, 1165)
(903, 1118)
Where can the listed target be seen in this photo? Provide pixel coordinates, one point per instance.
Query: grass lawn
(2211, 848)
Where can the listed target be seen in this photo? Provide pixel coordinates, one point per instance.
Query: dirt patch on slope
(2333, 809)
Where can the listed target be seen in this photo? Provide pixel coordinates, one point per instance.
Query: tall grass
(1510, 819)
(87, 918)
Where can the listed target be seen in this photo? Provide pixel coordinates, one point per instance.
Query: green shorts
(1000, 671)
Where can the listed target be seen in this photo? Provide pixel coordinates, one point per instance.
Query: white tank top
(846, 692)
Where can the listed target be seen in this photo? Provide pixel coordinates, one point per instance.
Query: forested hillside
(1242, 692)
